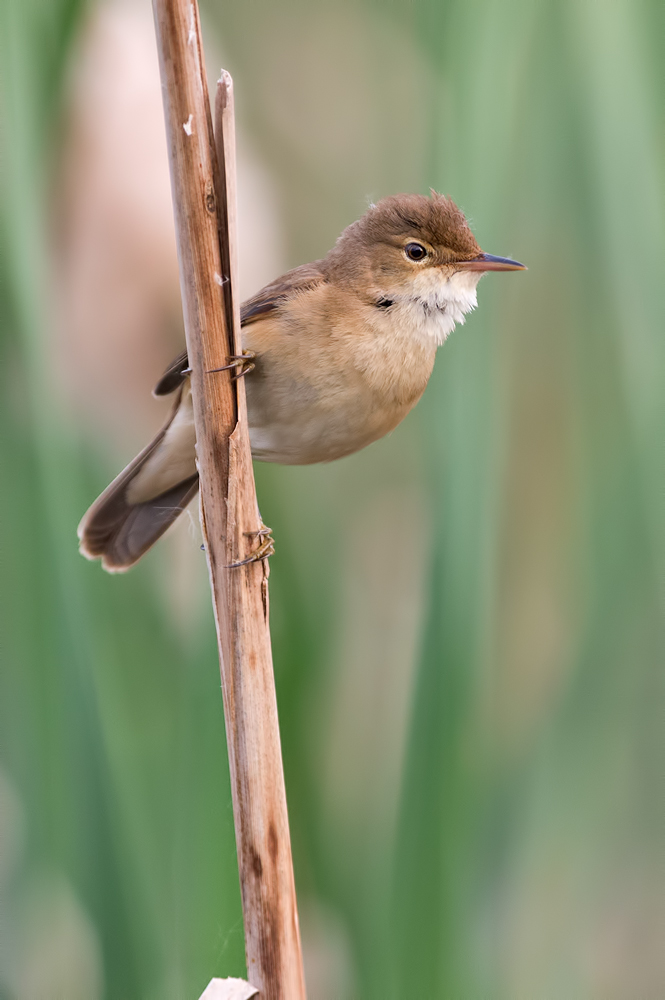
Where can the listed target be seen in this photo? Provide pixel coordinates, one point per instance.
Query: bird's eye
(415, 251)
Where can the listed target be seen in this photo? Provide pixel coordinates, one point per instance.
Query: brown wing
(300, 279)
(173, 377)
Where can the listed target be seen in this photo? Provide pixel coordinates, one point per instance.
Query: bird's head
(411, 248)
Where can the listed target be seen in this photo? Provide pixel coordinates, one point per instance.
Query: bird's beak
(488, 262)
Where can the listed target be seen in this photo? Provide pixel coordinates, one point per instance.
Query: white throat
(436, 304)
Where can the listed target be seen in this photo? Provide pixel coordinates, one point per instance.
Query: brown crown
(436, 219)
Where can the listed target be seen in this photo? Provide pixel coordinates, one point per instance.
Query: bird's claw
(244, 362)
(265, 549)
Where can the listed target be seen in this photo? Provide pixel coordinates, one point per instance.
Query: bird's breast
(324, 390)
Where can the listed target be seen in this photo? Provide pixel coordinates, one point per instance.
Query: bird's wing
(173, 377)
(301, 279)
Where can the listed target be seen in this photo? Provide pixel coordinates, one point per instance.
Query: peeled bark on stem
(203, 187)
(228, 989)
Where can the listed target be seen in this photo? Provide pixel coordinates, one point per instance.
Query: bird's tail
(147, 496)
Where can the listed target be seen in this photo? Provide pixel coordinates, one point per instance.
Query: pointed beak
(488, 262)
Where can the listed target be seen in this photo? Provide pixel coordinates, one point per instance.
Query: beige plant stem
(203, 188)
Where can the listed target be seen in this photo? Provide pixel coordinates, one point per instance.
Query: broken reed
(203, 186)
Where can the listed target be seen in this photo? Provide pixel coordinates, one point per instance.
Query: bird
(335, 354)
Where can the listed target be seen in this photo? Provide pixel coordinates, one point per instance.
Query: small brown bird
(337, 353)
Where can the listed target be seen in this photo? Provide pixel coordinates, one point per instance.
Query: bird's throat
(434, 305)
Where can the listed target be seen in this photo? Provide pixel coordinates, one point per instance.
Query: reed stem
(203, 183)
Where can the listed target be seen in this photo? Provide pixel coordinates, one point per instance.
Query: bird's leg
(266, 547)
(244, 362)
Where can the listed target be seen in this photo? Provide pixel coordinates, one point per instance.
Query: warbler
(335, 354)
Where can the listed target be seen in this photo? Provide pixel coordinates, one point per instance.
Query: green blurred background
(467, 617)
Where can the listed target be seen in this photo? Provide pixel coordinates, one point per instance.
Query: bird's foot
(243, 362)
(266, 547)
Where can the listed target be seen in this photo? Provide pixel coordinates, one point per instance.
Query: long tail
(147, 496)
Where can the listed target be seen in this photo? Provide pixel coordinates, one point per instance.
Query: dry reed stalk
(204, 207)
